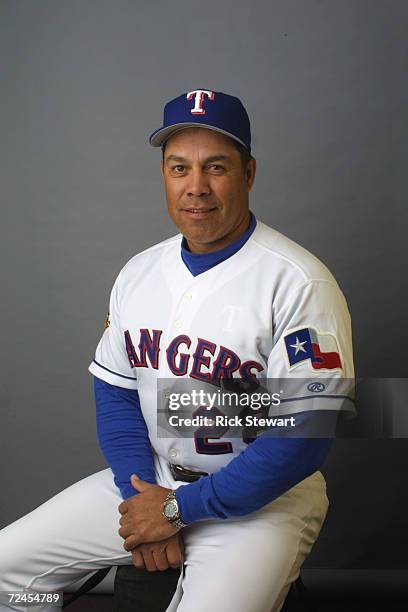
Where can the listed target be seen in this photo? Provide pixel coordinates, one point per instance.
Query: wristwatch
(171, 510)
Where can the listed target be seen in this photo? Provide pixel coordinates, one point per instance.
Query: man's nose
(198, 185)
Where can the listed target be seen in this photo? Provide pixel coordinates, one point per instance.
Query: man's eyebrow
(175, 158)
(215, 158)
(208, 160)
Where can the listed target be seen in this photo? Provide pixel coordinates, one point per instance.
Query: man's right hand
(159, 556)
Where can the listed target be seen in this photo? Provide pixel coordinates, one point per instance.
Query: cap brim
(162, 134)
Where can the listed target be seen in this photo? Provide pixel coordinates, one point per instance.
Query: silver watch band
(176, 520)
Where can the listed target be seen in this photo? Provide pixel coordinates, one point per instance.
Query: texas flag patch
(320, 348)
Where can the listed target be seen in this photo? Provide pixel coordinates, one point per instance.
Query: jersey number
(203, 434)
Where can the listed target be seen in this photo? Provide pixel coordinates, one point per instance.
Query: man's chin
(200, 235)
(204, 243)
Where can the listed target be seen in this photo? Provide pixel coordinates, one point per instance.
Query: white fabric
(236, 565)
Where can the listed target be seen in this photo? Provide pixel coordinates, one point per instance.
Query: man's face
(206, 188)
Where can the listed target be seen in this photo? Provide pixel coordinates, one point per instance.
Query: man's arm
(125, 444)
(122, 431)
(123, 435)
(269, 467)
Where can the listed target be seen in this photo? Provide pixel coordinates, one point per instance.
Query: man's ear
(250, 173)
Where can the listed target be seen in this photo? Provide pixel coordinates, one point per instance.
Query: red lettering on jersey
(202, 360)
(131, 353)
(148, 347)
(225, 365)
(245, 370)
(171, 352)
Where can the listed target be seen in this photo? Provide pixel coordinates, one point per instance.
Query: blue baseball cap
(213, 110)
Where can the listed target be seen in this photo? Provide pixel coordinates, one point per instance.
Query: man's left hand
(142, 517)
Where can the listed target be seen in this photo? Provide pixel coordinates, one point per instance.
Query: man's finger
(125, 530)
(148, 559)
(174, 553)
(123, 507)
(139, 485)
(131, 542)
(137, 559)
(160, 559)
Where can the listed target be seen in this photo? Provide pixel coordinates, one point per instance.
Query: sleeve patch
(308, 344)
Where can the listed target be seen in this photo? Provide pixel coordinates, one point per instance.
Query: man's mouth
(198, 213)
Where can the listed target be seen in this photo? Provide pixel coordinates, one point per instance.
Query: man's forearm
(269, 467)
(123, 435)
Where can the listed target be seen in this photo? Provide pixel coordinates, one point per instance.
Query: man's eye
(216, 168)
(177, 169)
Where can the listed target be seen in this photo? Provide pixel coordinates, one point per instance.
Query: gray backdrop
(83, 85)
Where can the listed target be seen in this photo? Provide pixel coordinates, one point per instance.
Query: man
(228, 298)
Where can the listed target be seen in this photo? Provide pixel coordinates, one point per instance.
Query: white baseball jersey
(271, 310)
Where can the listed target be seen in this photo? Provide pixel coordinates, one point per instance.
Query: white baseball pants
(237, 565)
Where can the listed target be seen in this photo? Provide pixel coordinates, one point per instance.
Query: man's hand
(142, 517)
(160, 556)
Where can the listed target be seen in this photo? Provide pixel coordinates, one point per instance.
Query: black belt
(181, 473)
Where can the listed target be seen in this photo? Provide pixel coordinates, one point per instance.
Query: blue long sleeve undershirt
(262, 472)
(123, 435)
(266, 469)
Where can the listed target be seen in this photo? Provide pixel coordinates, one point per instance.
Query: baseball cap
(213, 110)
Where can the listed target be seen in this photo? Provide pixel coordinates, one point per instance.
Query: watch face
(170, 510)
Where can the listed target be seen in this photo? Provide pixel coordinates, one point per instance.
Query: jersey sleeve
(311, 360)
(111, 362)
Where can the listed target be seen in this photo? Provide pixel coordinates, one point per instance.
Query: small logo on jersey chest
(231, 316)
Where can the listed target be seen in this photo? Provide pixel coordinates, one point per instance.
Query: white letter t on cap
(199, 99)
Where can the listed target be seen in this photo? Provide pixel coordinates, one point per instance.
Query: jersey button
(172, 453)
(188, 297)
(177, 323)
